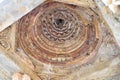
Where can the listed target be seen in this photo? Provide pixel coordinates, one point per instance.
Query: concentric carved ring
(59, 33)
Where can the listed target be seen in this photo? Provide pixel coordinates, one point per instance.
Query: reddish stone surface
(60, 34)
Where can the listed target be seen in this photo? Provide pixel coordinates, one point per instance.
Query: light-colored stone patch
(112, 19)
(7, 68)
(20, 76)
(12, 10)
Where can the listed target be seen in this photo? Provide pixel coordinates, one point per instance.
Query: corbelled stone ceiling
(60, 40)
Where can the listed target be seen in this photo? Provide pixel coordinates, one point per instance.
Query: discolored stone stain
(22, 9)
(19, 1)
(76, 2)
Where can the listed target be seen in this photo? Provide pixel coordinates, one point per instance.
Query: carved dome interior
(60, 34)
(61, 40)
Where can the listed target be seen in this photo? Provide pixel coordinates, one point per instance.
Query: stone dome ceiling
(59, 33)
(59, 40)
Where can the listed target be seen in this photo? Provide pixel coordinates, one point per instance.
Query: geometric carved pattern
(60, 34)
(4, 39)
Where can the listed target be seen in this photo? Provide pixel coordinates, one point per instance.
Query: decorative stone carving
(4, 39)
(61, 34)
(62, 41)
